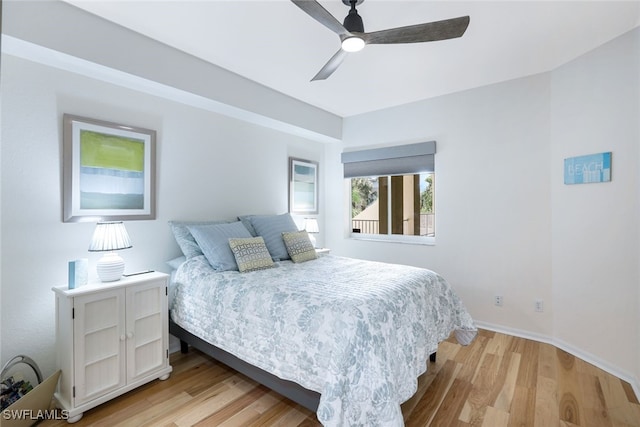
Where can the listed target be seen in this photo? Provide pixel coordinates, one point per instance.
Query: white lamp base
(110, 267)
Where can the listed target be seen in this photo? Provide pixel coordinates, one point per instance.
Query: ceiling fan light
(352, 44)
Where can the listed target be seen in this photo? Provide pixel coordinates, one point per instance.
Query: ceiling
(275, 43)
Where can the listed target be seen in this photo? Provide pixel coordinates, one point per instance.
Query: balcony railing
(365, 226)
(371, 226)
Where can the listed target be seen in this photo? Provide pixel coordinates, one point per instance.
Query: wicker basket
(25, 410)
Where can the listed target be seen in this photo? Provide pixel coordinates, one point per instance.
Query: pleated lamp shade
(311, 225)
(110, 237)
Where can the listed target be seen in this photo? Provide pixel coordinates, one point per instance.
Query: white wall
(492, 195)
(595, 108)
(506, 223)
(208, 166)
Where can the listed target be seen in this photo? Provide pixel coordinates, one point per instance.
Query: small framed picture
(108, 171)
(303, 186)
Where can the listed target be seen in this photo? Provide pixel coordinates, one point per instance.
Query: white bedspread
(357, 332)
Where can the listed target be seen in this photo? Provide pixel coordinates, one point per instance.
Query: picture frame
(303, 186)
(108, 171)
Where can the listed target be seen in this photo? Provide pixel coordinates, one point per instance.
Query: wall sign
(588, 169)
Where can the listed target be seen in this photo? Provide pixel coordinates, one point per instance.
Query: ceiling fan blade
(330, 66)
(431, 31)
(320, 14)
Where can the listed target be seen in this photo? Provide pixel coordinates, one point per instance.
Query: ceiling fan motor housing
(353, 21)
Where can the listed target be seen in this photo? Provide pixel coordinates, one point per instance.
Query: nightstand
(110, 338)
(323, 250)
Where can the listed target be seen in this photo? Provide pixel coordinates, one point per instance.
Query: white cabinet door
(146, 328)
(99, 349)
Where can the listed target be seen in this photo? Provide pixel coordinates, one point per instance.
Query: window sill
(411, 240)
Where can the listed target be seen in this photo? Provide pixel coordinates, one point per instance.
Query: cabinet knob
(129, 335)
(122, 337)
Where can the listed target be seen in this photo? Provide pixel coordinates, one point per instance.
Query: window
(396, 204)
(392, 192)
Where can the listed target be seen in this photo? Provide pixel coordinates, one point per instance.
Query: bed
(346, 338)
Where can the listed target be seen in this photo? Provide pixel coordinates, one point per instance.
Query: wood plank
(505, 395)
(547, 411)
(499, 344)
(470, 358)
(547, 361)
(232, 408)
(193, 408)
(254, 411)
(277, 413)
(628, 390)
(479, 398)
(594, 404)
(431, 400)
(569, 389)
(193, 381)
(495, 418)
(523, 410)
(448, 412)
(134, 418)
(529, 359)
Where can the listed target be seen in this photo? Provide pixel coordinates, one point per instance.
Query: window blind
(395, 160)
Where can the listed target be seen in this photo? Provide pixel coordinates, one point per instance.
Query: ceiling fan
(354, 38)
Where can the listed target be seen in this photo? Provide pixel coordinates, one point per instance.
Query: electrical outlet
(497, 300)
(539, 305)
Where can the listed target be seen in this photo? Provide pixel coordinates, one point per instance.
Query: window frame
(388, 160)
(389, 237)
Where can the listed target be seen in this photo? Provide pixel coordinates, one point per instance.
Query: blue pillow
(184, 238)
(271, 227)
(213, 239)
(246, 220)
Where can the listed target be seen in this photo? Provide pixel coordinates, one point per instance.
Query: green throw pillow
(250, 253)
(299, 246)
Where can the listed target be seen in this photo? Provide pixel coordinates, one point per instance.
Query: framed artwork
(588, 169)
(303, 186)
(108, 171)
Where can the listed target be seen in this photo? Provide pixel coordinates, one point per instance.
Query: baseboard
(587, 357)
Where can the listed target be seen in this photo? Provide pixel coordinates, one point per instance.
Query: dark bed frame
(289, 389)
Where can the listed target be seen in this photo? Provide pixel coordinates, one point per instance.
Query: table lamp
(109, 237)
(311, 225)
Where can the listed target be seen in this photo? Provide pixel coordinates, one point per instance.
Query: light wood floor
(498, 380)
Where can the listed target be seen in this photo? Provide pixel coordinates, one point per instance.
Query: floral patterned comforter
(358, 332)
